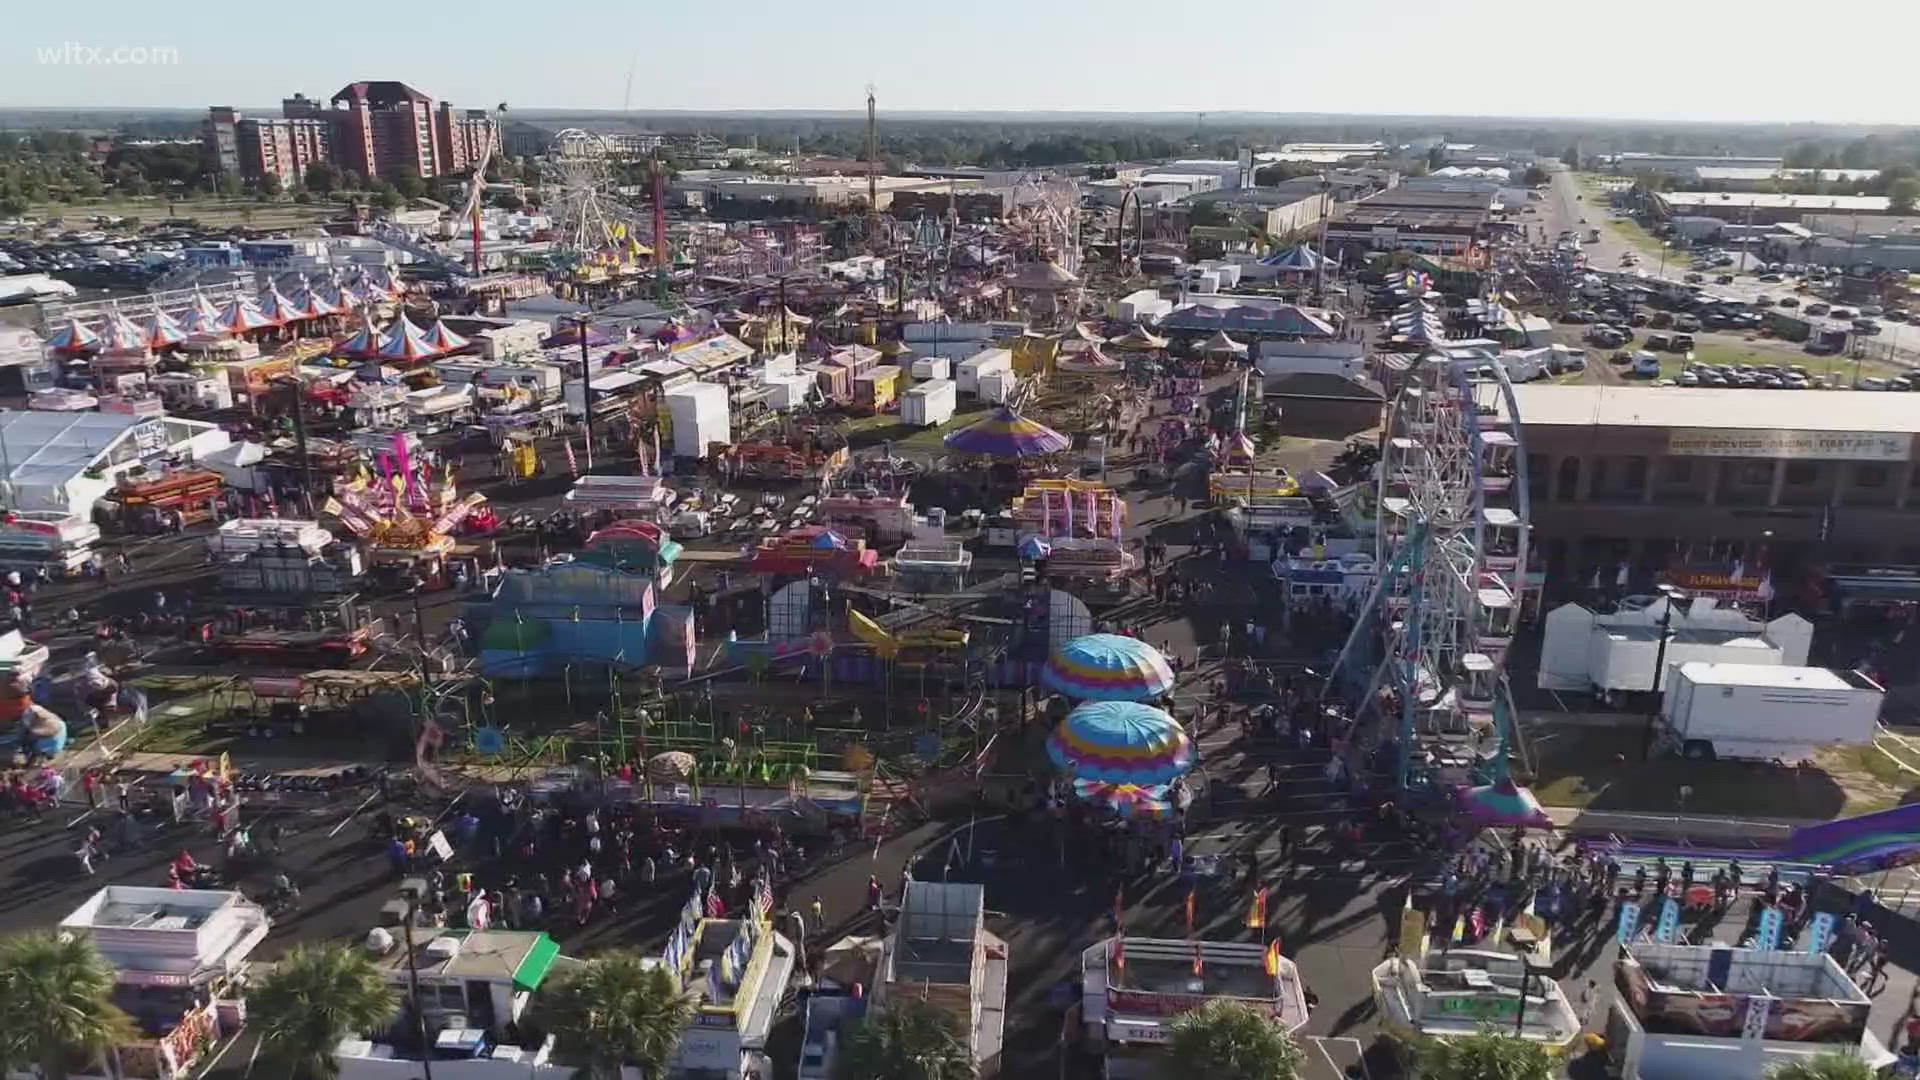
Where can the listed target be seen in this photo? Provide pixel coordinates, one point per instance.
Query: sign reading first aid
(1794, 445)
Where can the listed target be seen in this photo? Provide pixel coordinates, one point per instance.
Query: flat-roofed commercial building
(1663, 478)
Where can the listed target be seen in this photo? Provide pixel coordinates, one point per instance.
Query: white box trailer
(702, 416)
(984, 362)
(1766, 712)
(929, 404)
(932, 367)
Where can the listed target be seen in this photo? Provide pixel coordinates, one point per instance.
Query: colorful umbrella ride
(364, 342)
(1127, 800)
(1089, 361)
(444, 339)
(1503, 803)
(75, 336)
(202, 319)
(242, 315)
(163, 332)
(275, 305)
(1121, 742)
(1007, 434)
(570, 335)
(406, 341)
(1108, 667)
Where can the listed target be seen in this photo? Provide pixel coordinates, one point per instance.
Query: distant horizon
(1220, 117)
(1362, 59)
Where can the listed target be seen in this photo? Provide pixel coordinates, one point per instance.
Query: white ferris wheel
(1452, 557)
(589, 222)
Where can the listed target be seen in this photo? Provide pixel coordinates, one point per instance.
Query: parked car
(1789, 301)
(1819, 308)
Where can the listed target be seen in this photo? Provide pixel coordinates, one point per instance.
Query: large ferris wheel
(590, 224)
(1452, 561)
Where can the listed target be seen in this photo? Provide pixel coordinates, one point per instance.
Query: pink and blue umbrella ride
(1108, 667)
(1121, 742)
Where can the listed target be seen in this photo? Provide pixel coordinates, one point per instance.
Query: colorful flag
(1119, 906)
(1272, 959)
(1257, 909)
(1199, 966)
(1193, 901)
(573, 465)
(1119, 953)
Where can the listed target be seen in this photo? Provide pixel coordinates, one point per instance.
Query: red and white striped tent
(382, 279)
(308, 299)
(275, 305)
(444, 339)
(74, 337)
(364, 342)
(163, 330)
(242, 315)
(202, 319)
(406, 341)
(121, 336)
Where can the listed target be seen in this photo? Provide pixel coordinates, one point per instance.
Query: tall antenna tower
(873, 179)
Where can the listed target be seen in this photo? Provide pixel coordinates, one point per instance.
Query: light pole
(1672, 596)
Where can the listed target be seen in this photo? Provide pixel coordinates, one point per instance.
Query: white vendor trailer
(1765, 712)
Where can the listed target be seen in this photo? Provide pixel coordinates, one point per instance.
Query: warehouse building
(1664, 478)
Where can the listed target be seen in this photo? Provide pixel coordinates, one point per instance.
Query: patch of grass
(869, 431)
(1728, 349)
(213, 211)
(1600, 768)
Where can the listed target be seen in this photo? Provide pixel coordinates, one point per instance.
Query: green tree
(1830, 1066)
(409, 185)
(322, 178)
(1485, 1055)
(1571, 155)
(384, 197)
(1535, 176)
(1208, 212)
(908, 1039)
(509, 201)
(1901, 195)
(229, 184)
(314, 997)
(616, 1009)
(1230, 1040)
(270, 185)
(64, 986)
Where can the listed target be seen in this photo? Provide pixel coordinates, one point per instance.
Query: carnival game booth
(1079, 528)
(1133, 988)
(1487, 966)
(177, 957)
(624, 498)
(737, 971)
(814, 550)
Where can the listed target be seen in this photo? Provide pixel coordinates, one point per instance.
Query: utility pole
(413, 981)
(586, 386)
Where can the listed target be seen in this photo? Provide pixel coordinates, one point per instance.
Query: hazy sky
(1671, 59)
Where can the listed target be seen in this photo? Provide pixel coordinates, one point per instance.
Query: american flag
(762, 900)
(573, 466)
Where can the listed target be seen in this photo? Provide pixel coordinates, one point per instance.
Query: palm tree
(616, 1009)
(60, 991)
(314, 997)
(1829, 1066)
(907, 1039)
(1485, 1055)
(1230, 1040)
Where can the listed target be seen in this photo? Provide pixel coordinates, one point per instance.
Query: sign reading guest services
(1799, 445)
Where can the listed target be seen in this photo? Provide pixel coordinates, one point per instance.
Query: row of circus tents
(202, 321)
(404, 340)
